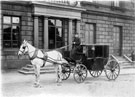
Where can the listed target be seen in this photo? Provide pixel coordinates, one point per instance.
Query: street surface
(15, 84)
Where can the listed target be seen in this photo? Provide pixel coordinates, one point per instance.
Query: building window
(11, 31)
(56, 33)
(116, 3)
(90, 33)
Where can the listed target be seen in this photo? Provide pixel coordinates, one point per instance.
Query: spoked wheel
(80, 73)
(65, 71)
(97, 67)
(112, 70)
(95, 73)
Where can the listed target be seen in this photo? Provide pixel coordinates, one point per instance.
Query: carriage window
(11, 30)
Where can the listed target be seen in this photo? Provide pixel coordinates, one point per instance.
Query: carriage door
(117, 40)
(90, 35)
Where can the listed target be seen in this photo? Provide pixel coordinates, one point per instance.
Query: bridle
(23, 52)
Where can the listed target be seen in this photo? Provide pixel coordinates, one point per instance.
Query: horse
(40, 58)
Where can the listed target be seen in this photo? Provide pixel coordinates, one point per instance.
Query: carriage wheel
(95, 73)
(112, 70)
(80, 73)
(65, 71)
(96, 69)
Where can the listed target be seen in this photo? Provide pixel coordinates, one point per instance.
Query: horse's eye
(23, 47)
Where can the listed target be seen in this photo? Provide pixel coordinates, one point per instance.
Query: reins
(45, 57)
(58, 48)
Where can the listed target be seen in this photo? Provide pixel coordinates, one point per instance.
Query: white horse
(40, 58)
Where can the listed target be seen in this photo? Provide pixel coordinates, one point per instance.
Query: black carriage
(95, 59)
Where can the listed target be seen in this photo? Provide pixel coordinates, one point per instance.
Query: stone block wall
(106, 17)
(104, 30)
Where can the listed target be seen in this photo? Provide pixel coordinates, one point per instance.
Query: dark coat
(76, 53)
(77, 41)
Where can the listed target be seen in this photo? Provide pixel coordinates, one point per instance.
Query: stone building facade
(113, 25)
(50, 25)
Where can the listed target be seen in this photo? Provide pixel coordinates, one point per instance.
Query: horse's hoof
(57, 80)
(37, 86)
(59, 84)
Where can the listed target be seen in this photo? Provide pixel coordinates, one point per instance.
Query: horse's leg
(60, 73)
(56, 70)
(37, 75)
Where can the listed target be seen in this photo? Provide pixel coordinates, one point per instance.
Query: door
(117, 40)
(56, 35)
(90, 33)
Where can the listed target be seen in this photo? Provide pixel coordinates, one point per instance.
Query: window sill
(10, 51)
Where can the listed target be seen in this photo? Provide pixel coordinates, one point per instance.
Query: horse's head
(23, 48)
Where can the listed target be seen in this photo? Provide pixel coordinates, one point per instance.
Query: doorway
(56, 35)
(117, 40)
(90, 33)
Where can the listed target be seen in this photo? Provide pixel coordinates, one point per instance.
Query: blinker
(24, 47)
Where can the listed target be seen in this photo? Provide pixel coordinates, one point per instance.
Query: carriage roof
(96, 50)
(94, 45)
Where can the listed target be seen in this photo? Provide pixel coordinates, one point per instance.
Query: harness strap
(44, 57)
(34, 55)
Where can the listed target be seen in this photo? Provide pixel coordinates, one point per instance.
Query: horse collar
(34, 55)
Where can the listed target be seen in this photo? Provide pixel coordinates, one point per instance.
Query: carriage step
(32, 72)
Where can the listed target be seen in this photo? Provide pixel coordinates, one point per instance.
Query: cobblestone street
(15, 84)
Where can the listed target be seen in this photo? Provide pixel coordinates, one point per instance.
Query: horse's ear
(25, 41)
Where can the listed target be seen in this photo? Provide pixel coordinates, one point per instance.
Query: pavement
(15, 84)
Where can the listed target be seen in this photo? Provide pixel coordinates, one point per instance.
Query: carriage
(95, 59)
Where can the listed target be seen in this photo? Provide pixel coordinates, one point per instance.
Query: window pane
(15, 32)
(59, 32)
(59, 23)
(7, 44)
(15, 44)
(51, 37)
(51, 22)
(59, 37)
(15, 20)
(6, 32)
(7, 20)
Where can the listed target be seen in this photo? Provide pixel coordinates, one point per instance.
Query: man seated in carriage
(76, 52)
